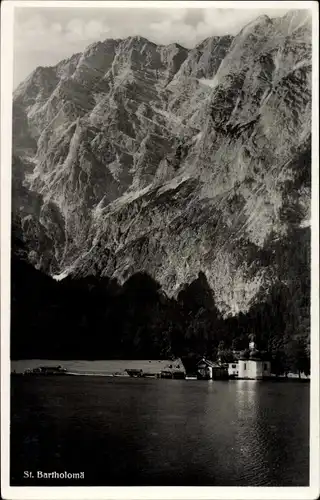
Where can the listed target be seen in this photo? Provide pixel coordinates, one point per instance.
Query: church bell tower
(252, 342)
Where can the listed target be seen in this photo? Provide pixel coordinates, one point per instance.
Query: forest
(97, 318)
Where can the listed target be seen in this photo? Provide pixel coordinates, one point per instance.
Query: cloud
(75, 29)
(56, 28)
(173, 31)
(95, 29)
(43, 36)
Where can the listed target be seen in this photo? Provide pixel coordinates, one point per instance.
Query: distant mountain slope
(133, 157)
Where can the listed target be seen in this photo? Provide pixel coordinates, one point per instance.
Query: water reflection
(164, 432)
(250, 438)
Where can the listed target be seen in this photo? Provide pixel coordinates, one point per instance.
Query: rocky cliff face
(135, 157)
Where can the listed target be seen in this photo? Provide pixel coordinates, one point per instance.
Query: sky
(45, 35)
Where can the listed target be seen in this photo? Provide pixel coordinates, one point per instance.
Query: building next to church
(233, 369)
(208, 370)
(250, 366)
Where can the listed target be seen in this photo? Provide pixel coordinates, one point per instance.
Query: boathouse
(250, 365)
(207, 370)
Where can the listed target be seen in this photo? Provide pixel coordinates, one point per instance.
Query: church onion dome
(243, 355)
(255, 354)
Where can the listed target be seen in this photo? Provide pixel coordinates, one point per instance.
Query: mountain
(137, 158)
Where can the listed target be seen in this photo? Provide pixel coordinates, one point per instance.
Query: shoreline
(144, 377)
(156, 369)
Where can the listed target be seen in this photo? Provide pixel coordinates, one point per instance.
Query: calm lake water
(123, 431)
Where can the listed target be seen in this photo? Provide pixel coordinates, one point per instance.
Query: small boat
(134, 373)
(46, 370)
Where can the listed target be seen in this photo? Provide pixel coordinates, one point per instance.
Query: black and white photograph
(161, 297)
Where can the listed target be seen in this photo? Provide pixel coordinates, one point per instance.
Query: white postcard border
(157, 493)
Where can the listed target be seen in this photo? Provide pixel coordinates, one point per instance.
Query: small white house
(233, 369)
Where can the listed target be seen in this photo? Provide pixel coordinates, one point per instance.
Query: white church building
(253, 368)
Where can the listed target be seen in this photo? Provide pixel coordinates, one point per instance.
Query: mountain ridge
(169, 160)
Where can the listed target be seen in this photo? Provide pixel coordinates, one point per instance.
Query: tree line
(97, 318)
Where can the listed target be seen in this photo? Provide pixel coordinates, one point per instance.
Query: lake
(128, 432)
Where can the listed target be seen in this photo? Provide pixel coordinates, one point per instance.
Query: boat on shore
(134, 373)
(44, 371)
